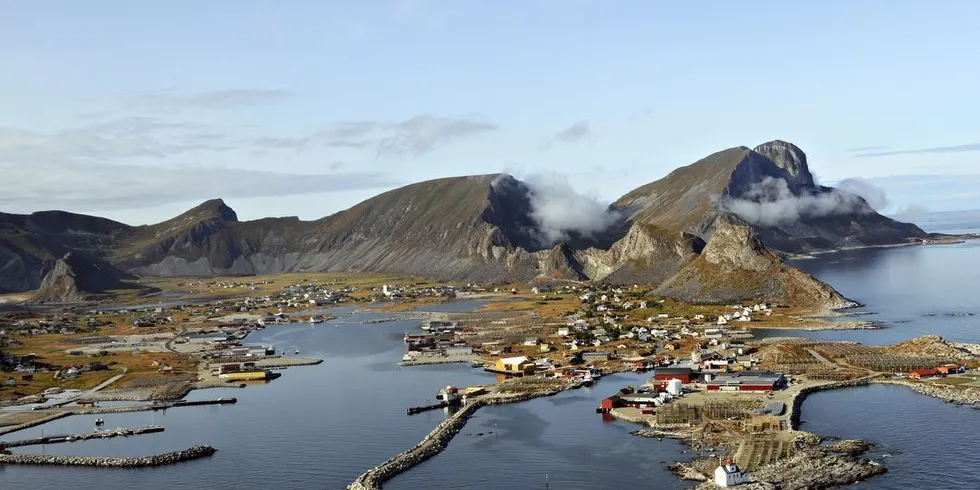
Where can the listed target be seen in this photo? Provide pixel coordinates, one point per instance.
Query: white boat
(316, 319)
(296, 351)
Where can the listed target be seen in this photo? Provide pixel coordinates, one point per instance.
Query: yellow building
(520, 364)
(246, 376)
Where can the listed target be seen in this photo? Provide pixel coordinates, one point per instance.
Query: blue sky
(139, 110)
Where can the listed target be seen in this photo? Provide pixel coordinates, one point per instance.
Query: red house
(924, 373)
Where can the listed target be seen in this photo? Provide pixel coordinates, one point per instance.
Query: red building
(667, 373)
(924, 373)
(747, 381)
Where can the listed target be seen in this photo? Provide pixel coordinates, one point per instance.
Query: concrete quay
(102, 434)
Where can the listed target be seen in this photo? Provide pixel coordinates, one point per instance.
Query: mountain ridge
(677, 233)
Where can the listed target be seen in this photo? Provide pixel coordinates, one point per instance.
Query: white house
(728, 474)
(722, 320)
(564, 331)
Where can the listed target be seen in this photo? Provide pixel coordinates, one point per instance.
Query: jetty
(139, 462)
(425, 408)
(101, 434)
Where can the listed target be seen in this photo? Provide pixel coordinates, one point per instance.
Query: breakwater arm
(95, 461)
(433, 443)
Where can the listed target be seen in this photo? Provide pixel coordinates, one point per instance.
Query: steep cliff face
(75, 278)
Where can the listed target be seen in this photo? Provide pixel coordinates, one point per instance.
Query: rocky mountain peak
(215, 208)
(790, 158)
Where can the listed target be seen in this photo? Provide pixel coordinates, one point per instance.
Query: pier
(102, 434)
(416, 410)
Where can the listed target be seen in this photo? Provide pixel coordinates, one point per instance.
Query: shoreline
(954, 239)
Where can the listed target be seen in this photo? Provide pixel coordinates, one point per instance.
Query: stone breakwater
(950, 394)
(795, 409)
(95, 461)
(433, 443)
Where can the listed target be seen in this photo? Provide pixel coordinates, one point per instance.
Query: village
(711, 382)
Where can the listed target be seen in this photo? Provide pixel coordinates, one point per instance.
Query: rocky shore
(814, 466)
(433, 443)
(950, 394)
(139, 462)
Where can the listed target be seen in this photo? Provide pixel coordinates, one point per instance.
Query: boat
(99, 421)
(296, 351)
(316, 319)
(476, 363)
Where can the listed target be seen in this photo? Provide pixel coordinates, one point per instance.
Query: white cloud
(81, 187)
(419, 135)
(578, 131)
(772, 203)
(558, 209)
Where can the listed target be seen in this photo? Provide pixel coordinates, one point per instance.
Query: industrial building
(747, 381)
(685, 374)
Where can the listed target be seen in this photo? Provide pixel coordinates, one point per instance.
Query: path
(821, 358)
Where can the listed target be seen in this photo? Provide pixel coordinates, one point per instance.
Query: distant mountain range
(710, 231)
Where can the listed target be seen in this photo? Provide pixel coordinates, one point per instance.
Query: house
(10, 382)
(722, 320)
(685, 374)
(596, 356)
(515, 365)
(564, 331)
(531, 341)
(951, 369)
(924, 373)
(729, 475)
(747, 381)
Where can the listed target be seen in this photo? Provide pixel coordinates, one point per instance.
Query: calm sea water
(321, 426)
(924, 442)
(911, 291)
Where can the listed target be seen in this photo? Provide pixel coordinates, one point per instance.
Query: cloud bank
(560, 212)
(578, 131)
(772, 203)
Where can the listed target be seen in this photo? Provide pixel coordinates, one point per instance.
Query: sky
(138, 111)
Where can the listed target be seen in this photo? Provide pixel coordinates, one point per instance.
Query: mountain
(706, 232)
(772, 189)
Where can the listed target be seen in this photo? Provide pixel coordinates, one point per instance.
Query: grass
(954, 381)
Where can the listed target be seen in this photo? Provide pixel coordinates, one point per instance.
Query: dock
(217, 401)
(416, 410)
(101, 434)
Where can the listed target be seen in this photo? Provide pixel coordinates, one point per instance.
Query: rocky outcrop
(74, 279)
(194, 452)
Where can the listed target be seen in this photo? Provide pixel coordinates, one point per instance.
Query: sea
(319, 427)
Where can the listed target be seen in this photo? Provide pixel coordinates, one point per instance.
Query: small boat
(99, 421)
(476, 364)
(296, 351)
(316, 319)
